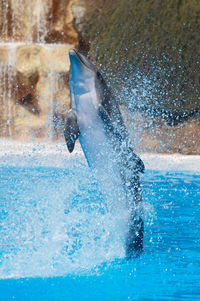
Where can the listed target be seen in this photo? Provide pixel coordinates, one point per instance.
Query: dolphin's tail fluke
(134, 241)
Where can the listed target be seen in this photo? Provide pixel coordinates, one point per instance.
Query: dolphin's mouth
(74, 52)
(82, 59)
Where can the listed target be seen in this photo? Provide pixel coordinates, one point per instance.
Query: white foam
(15, 153)
(57, 225)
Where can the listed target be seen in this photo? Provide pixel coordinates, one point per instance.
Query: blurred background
(147, 50)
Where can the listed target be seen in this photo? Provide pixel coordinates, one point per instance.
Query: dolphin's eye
(99, 76)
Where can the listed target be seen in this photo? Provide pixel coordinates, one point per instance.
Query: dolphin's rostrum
(95, 118)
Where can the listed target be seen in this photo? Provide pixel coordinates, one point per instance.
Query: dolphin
(95, 119)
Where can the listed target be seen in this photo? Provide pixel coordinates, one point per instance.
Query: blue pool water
(59, 242)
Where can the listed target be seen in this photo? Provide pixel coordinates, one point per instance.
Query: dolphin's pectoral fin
(71, 130)
(107, 121)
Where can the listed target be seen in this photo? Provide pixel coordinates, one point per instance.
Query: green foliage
(159, 39)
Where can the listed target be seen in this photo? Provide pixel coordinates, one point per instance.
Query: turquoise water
(60, 242)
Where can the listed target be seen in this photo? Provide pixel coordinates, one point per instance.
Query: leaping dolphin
(95, 119)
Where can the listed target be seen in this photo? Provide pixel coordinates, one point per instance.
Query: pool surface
(59, 242)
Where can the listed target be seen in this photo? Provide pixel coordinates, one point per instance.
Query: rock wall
(156, 136)
(36, 21)
(35, 38)
(157, 40)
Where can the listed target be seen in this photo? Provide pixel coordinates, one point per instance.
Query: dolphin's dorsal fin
(138, 163)
(71, 130)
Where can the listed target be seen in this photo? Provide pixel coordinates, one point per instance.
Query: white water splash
(57, 224)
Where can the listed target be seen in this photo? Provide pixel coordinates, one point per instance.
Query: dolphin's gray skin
(94, 117)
